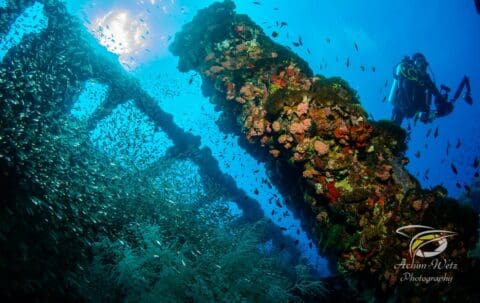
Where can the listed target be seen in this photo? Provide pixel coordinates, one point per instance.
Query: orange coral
(302, 109)
(277, 80)
(381, 201)
(341, 133)
(360, 134)
(300, 127)
(320, 147)
(370, 202)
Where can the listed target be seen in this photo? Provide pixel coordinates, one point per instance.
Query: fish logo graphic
(427, 243)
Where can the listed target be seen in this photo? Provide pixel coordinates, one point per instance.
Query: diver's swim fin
(465, 83)
(477, 5)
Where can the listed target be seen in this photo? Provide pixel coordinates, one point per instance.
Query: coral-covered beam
(352, 169)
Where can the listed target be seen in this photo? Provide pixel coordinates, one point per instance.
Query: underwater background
(127, 176)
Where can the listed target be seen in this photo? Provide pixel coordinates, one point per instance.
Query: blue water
(139, 32)
(26, 23)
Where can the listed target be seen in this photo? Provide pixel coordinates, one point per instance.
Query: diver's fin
(465, 83)
(477, 5)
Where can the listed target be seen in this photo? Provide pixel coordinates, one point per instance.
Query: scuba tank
(395, 83)
(397, 76)
(404, 72)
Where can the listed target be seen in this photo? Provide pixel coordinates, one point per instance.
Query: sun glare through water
(122, 34)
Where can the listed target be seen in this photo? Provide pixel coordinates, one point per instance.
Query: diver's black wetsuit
(412, 93)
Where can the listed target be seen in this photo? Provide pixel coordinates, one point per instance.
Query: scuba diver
(413, 89)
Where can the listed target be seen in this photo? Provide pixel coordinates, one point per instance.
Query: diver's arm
(433, 88)
(443, 106)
